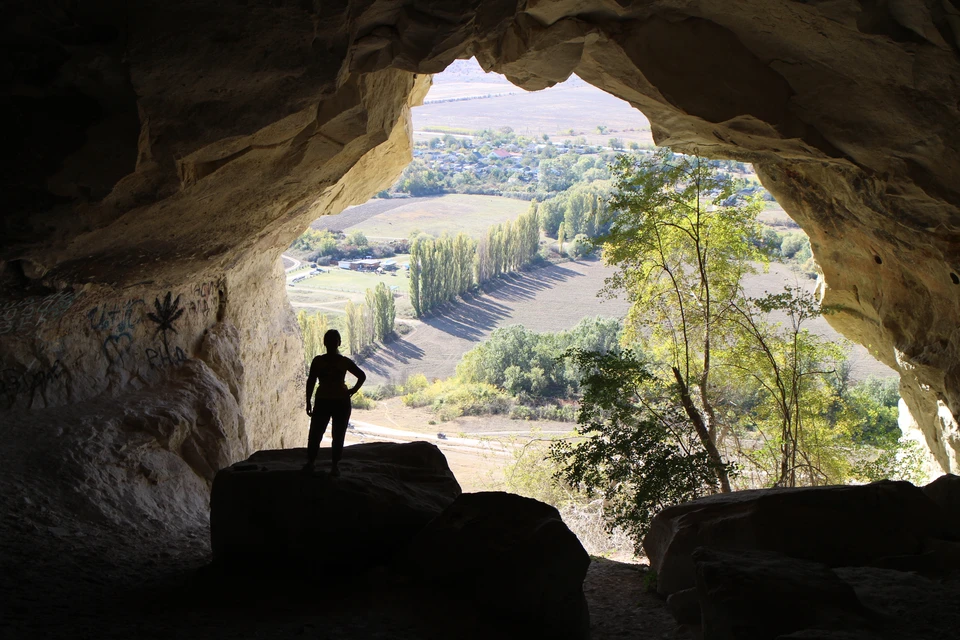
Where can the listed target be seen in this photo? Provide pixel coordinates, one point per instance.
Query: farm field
(383, 219)
(573, 104)
(548, 299)
(329, 292)
(451, 213)
(554, 111)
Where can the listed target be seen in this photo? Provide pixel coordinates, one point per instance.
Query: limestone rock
(266, 512)
(754, 595)
(836, 526)
(510, 557)
(163, 149)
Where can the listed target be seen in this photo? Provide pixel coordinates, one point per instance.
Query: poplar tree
(415, 273)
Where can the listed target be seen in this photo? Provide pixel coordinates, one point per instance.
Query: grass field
(328, 292)
(388, 219)
(451, 213)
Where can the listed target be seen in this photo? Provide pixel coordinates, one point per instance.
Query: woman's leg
(341, 418)
(318, 426)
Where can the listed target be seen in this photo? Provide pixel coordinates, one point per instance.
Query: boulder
(757, 595)
(945, 491)
(511, 558)
(267, 512)
(838, 526)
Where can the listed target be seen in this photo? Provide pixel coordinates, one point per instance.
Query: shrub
(450, 399)
(360, 401)
(321, 243)
(580, 246)
(416, 382)
(357, 239)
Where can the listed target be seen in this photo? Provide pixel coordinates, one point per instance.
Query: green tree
(415, 275)
(803, 441)
(354, 327)
(312, 328)
(682, 249)
(635, 448)
(358, 239)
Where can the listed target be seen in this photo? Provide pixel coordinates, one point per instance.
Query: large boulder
(759, 595)
(945, 491)
(838, 526)
(510, 558)
(267, 512)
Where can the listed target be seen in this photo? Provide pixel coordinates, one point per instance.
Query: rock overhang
(251, 123)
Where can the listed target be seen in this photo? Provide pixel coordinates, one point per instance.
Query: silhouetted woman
(333, 398)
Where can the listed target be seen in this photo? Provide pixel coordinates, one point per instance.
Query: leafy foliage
(522, 361)
(636, 448)
(452, 398)
(682, 239)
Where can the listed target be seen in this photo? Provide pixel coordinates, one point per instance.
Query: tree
(354, 327)
(415, 275)
(357, 239)
(636, 448)
(312, 328)
(682, 240)
(798, 408)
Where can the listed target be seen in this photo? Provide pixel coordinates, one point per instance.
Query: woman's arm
(311, 380)
(358, 372)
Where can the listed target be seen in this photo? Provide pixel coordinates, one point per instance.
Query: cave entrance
(484, 152)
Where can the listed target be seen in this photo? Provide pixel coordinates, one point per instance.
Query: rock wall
(168, 152)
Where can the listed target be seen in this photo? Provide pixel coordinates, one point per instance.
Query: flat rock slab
(267, 513)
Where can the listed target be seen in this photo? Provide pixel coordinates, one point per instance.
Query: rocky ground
(95, 582)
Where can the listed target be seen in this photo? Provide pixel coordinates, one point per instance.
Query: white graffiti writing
(26, 315)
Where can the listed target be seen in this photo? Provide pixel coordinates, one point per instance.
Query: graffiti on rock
(161, 357)
(26, 315)
(25, 383)
(165, 316)
(117, 323)
(204, 293)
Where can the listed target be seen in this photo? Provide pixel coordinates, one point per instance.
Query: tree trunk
(702, 432)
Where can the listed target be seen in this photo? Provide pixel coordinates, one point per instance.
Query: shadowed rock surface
(837, 526)
(508, 557)
(751, 595)
(167, 152)
(171, 152)
(266, 512)
(818, 562)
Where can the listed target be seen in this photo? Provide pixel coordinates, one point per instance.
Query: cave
(165, 154)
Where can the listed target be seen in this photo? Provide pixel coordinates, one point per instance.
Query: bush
(521, 412)
(450, 399)
(384, 391)
(357, 239)
(793, 243)
(416, 382)
(580, 246)
(360, 401)
(321, 243)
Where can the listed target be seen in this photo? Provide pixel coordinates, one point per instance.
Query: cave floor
(77, 582)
